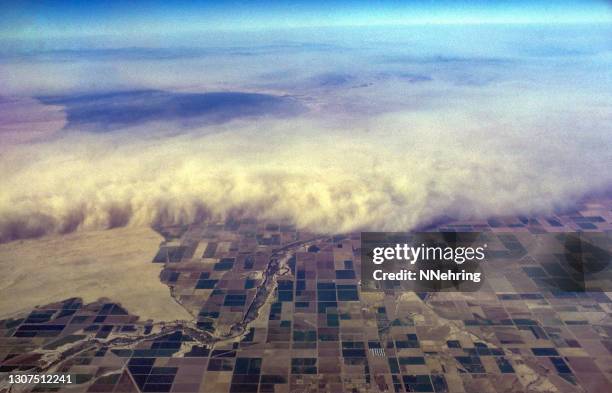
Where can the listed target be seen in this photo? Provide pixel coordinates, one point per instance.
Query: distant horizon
(227, 38)
(53, 20)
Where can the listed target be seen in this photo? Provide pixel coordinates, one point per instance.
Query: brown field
(115, 264)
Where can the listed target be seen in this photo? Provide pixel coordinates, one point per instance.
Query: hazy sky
(43, 18)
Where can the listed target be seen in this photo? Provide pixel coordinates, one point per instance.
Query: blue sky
(23, 19)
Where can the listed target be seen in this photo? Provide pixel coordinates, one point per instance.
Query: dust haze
(333, 136)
